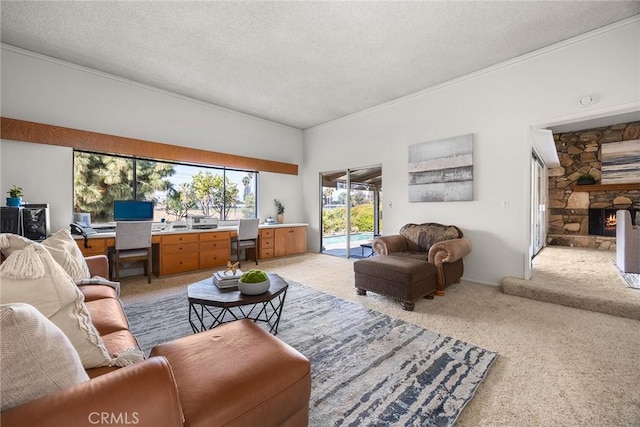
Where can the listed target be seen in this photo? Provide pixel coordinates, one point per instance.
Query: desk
(179, 251)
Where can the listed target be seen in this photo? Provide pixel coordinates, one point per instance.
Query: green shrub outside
(335, 220)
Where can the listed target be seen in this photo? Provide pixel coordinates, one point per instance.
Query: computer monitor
(132, 210)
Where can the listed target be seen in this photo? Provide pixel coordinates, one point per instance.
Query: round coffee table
(209, 305)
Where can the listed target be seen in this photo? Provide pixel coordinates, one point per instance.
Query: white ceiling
(297, 63)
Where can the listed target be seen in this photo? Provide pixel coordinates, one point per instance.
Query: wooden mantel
(607, 187)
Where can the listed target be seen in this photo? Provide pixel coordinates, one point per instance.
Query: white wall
(39, 186)
(498, 106)
(41, 89)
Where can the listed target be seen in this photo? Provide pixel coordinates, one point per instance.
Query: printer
(201, 222)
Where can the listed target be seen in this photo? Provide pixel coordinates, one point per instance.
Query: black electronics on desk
(30, 221)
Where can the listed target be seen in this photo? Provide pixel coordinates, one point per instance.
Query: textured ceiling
(297, 63)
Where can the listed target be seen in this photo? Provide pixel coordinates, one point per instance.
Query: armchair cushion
(36, 356)
(420, 237)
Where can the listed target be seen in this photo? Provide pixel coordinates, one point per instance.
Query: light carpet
(558, 366)
(367, 368)
(580, 278)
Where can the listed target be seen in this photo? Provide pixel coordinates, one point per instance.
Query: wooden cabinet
(183, 252)
(215, 249)
(266, 243)
(96, 246)
(289, 241)
(179, 253)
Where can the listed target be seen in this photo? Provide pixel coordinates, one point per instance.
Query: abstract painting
(621, 162)
(441, 171)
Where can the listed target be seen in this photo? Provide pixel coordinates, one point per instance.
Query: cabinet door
(299, 240)
(281, 241)
(290, 241)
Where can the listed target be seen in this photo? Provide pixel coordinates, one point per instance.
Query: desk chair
(247, 237)
(133, 243)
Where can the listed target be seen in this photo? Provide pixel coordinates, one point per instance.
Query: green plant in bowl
(254, 282)
(254, 276)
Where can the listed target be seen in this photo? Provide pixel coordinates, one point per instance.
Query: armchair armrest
(98, 265)
(449, 251)
(384, 245)
(144, 394)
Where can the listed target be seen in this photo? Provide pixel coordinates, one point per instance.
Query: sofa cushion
(118, 342)
(32, 276)
(36, 356)
(66, 252)
(94, 292)
(107, 315)
(420, 237)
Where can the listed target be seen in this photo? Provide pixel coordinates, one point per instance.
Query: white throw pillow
(32, 276)
(67, 253)
(37, 358)
(60, 244)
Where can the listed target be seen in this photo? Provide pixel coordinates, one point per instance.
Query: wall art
(442, 170)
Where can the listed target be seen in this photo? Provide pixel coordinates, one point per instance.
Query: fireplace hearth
(602, 222)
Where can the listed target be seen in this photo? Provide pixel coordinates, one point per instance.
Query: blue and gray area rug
(368, 369)
(631, 279)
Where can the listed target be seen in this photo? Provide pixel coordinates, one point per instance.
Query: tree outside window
(177, 190)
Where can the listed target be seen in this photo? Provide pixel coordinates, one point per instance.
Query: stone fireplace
(578, 213)
(602, 222)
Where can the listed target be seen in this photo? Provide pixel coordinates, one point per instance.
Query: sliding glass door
(350, 211)
(538, 205)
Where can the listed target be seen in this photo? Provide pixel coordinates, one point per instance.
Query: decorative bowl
(254, 288)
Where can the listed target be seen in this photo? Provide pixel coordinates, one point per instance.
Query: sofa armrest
(143, 394)
(384, 245)
(98, 265)
(449, 251)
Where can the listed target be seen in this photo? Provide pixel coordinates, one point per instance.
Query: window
(176, 189)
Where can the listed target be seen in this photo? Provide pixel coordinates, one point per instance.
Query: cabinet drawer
(185, 248)
(178, 263)
(210, 259)
(266, 233)
(180, 238)
(215, 236)
(96, 246)
(224, 245)
(266, 253)
(266, 243)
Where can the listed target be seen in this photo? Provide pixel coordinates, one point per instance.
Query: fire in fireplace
(602, 222)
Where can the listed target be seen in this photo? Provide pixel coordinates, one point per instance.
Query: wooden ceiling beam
(21, 130)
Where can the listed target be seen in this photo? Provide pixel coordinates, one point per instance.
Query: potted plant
(15, 196)
(586, 179)
(280, 209)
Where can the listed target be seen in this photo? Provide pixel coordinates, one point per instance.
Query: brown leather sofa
(442, 245)
(234, 375)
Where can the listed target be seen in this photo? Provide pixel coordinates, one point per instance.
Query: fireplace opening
(602, 222)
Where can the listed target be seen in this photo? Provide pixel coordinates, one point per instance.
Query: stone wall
(580, 153)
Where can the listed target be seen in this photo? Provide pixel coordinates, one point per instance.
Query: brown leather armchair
(442, 245)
